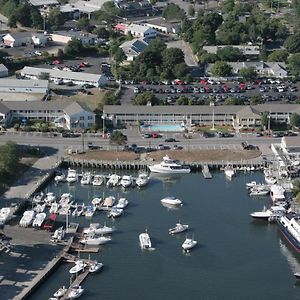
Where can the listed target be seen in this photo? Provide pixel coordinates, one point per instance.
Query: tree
(101, 33)
(207, 58)
(294, 120)
(119, 55)
(56, 18)
(256, 100)
(221, 68)
(278, 55)
(229, 54)
(9, 157)
(145, 98)
(83, 23)
(292, 43)
(172, 57)
(294, 64)
(182, 100)
(108, 13)
(248, 74)
(173, 11)
(117, 138)
(60, 53)
(44, 76)
(74, 47)
(264, 119)
(180, 70)
(191, 10)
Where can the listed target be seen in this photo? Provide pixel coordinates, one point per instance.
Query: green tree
(294, 120)
(229, 54)
(294, 64)
(173, 11)
(172, 57)
(9, 157)
(145, 98)
(108, 13)
(264, 119)
(101, 33)
(117, 138)
(256, 100)
(248, 74)
(180, 70)
(56, 18)
(207, 58)
(182, 100)
(278, 55)
(221, 68)
(60, 53)
(228, 6)
(292, 43)
(83, 23)
(74, 47)
(119, 55)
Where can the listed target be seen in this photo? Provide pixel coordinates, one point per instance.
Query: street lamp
(269, 124)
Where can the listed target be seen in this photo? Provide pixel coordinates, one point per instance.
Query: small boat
(39, 208)
(251, 184)
(142, 180)
(27, 218)
(39, 219)
(72, 176)
(6, 214)
(297, 275)
(65, 210)
(60, 178)
(229, 172)
(113, 180)
(122, 203)
(90, 210)
(86, 178)
(98, 180)
(189, 244)
(95, 267)
(145, 241)
(95, 228)
(108, 202)
(171, 201)
(75, 292)
(259, 192)
(60, 292)
(97, 202)
(169, 166)
(271, 214)
(79, 266)
(270, 180)
(65, 199)
(78, 211)
(58, 234)
(178, 228)
(38, 198)
(126, 181)
(95, 240)
(50, 197)
(115, 212)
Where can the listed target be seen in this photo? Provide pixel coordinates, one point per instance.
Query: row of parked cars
(141, 149)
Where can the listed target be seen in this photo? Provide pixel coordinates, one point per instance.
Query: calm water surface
(236, 258)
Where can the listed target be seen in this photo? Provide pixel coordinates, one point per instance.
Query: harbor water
(236, 257)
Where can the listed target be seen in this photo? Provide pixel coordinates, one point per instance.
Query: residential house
(141, 31)
(66, 36)
(18, 39)
(96, 80)
(134, 48)
(43, 4)
(3, 71)
(5, 114)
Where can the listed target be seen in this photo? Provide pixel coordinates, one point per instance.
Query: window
(81, 118)
(90, 117)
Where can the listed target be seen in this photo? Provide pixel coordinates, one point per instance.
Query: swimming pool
(163, 128)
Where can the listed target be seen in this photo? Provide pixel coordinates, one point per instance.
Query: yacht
(259, 191)
(145, 241)
(95, 267)
(79, 266)
(269, 178)
(65, 199)
(171, 201)
(39, 219)
(60, 178)
(290, 229)
(38, 198)
(50, 197)
(229, 172)
(86, 178)
(97, 202)
(60, 292)
(122, 203)
(126, 181)
(272, 213)
(178, 228)
(142, 180)
(277, 193)
(76, 292)
(72, 176)
(189, 244)
(168, 166)
(113, 180)
(98, 180)
(95, 228)
(95, 240)
(27, 218)
(115, 212)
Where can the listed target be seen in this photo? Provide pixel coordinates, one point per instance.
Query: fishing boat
(115, 212)
(113, 180)
(60, 292)
(76, 292)
(188, 244)
(142, 180)
(126, 181)
(95, 267)
(98, 180)
(108, 202)
(72, 176)
(145, 241)
(277, 193)
(95, 240)
(178, 228)
(97, 202)
(172, 201)
(122, 203)
(169, 166)
(39, 220)
(60, 178)
(290, 228)
(79, 266)
(86, 178)
(95, 228)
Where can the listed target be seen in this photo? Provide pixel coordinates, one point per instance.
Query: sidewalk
(30, 179)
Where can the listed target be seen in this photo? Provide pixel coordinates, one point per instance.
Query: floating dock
(206, 173)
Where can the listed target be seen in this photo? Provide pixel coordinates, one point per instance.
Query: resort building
(24, 86)
(65, 114)
(19, 39)
(234, 115)
(96, 80)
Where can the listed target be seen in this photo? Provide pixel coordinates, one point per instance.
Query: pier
(206, 173)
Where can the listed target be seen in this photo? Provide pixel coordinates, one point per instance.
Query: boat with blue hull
(290, 228)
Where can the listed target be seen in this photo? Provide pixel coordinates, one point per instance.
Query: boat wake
(291, 259)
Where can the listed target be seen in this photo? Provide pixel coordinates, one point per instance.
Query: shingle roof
(43, 2)
(4, 109)
(3, 68)
(248, 111)
(75, 108)
(36, 105)
(23, 83)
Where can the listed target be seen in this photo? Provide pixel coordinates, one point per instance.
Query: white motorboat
(113, 180)
(172, 201)
(95, 267)
(168, 166)
(272, 213)
(178, 228)
(50, 197)
(60, 292)
(60, 178)
(65, 210)
(108, 202)
(259, 192)
(97, 202)
(98, 180)
(86, 178)
(54, 208)
(142, 180)
(38, 198)
(6, 213)
(39, 219)
(72, 176)
(27, 218)
(58, 234)
(39, 208)
(95, 228)
(229, 172)
(189, 244)
(65, 199)
(270, 180)
(122, 203)
(277, 193)
(126, 181)
(251, 184)
(75, 292)
(90, 211)
(145, 241)
(79, 266)
(95, 240)
(115, 212)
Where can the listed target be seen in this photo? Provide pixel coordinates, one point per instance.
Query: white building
(24, 86)
(160, 24)
(19, 39)
(3, 71)
(79, 78)
(141, 31)
(66, 36)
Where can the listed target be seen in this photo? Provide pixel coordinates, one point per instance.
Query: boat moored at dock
(169, 166)
(290, 229)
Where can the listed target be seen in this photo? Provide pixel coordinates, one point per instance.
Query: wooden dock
(206, 173)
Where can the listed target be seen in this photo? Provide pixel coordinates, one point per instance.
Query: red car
(203, 81)
(56, 62)
(178, 82)
(154, 135)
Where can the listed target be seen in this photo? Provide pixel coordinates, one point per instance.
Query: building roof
(249, 112)
(43, 2)
(75, 34)
(135, 46)
(3, 68)
(83, 6)
(16, 83)
(245, 49)
(75, 108)
(140, 29)
(62, 74)
(18, 35)
(4, 109)
(292, 141)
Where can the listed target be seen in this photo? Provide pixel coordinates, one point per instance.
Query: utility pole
(82, 135)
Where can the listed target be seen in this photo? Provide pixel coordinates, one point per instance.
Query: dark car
(170, 140)
(70, 135)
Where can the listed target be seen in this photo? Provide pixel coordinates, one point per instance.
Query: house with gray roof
(17, 39)
(9, 85)
(3, 71)
(44, 3)
(134, 48)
